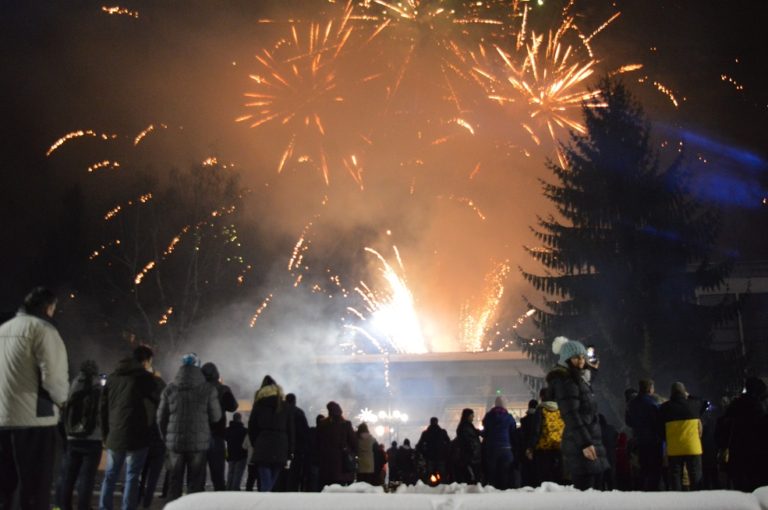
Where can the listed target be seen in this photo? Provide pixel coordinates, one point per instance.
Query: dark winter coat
(408, 464)
(394, 473)
(156, 442)
(468, 438)
(334, 434)
(529, 429)
(227, 400)
(610, 437)
(128, 403)
(578, 410)
(742, 431)
(270, 427)
(300, 430)
(235, 436)
(498, 428)
(433, 443)
(643, 417)
(739, 431)
(187, 408)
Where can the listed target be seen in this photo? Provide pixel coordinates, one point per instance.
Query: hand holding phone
(591, 354)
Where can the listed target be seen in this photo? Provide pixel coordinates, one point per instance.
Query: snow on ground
(361, 496)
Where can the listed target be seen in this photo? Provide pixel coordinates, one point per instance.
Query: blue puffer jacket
(187, 408)
(498, 428)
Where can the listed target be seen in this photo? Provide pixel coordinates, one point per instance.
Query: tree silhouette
(169, 257)
(626, 252)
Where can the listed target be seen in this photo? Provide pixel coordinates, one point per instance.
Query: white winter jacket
(34, 372)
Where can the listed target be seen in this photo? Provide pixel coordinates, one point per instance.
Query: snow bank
(463, 497)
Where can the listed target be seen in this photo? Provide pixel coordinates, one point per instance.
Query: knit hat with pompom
(567, 349)
(190, 360)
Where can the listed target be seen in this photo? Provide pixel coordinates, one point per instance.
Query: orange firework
(543, 79)
(391, 322)
(476, 320)
(297, 87)
(119, 11)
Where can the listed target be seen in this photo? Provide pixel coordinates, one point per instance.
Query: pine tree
(626, 251)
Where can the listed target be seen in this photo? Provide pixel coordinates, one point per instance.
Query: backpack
(81, 414)
(552, 426)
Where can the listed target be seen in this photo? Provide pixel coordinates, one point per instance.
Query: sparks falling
(477, 320)
(260, 310)
(391, 319)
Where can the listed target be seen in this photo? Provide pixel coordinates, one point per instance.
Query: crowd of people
(148, 427)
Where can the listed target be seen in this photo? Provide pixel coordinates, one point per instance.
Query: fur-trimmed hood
(558, 372)
(270, 390)
(549, 405)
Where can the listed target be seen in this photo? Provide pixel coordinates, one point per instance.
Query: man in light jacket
(34, 383)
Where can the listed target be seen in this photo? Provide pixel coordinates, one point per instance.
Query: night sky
(69, 66)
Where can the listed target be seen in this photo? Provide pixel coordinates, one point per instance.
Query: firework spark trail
(103, 164)
(112, 213)
(260, 310)
(164, 319)
(78, 134)
(475, 324)
(466, 201)
(518, 322)
(167, 252)
(474, 171)
(736, 85)
(175, 241)
(667, 92)
(120, 11)
(661, 88)
(146, 269)
(297, 254)
(144, 133)
(98, 252)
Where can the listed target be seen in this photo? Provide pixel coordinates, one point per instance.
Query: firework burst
(298, 91)
(390, 320)
(543, 80)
